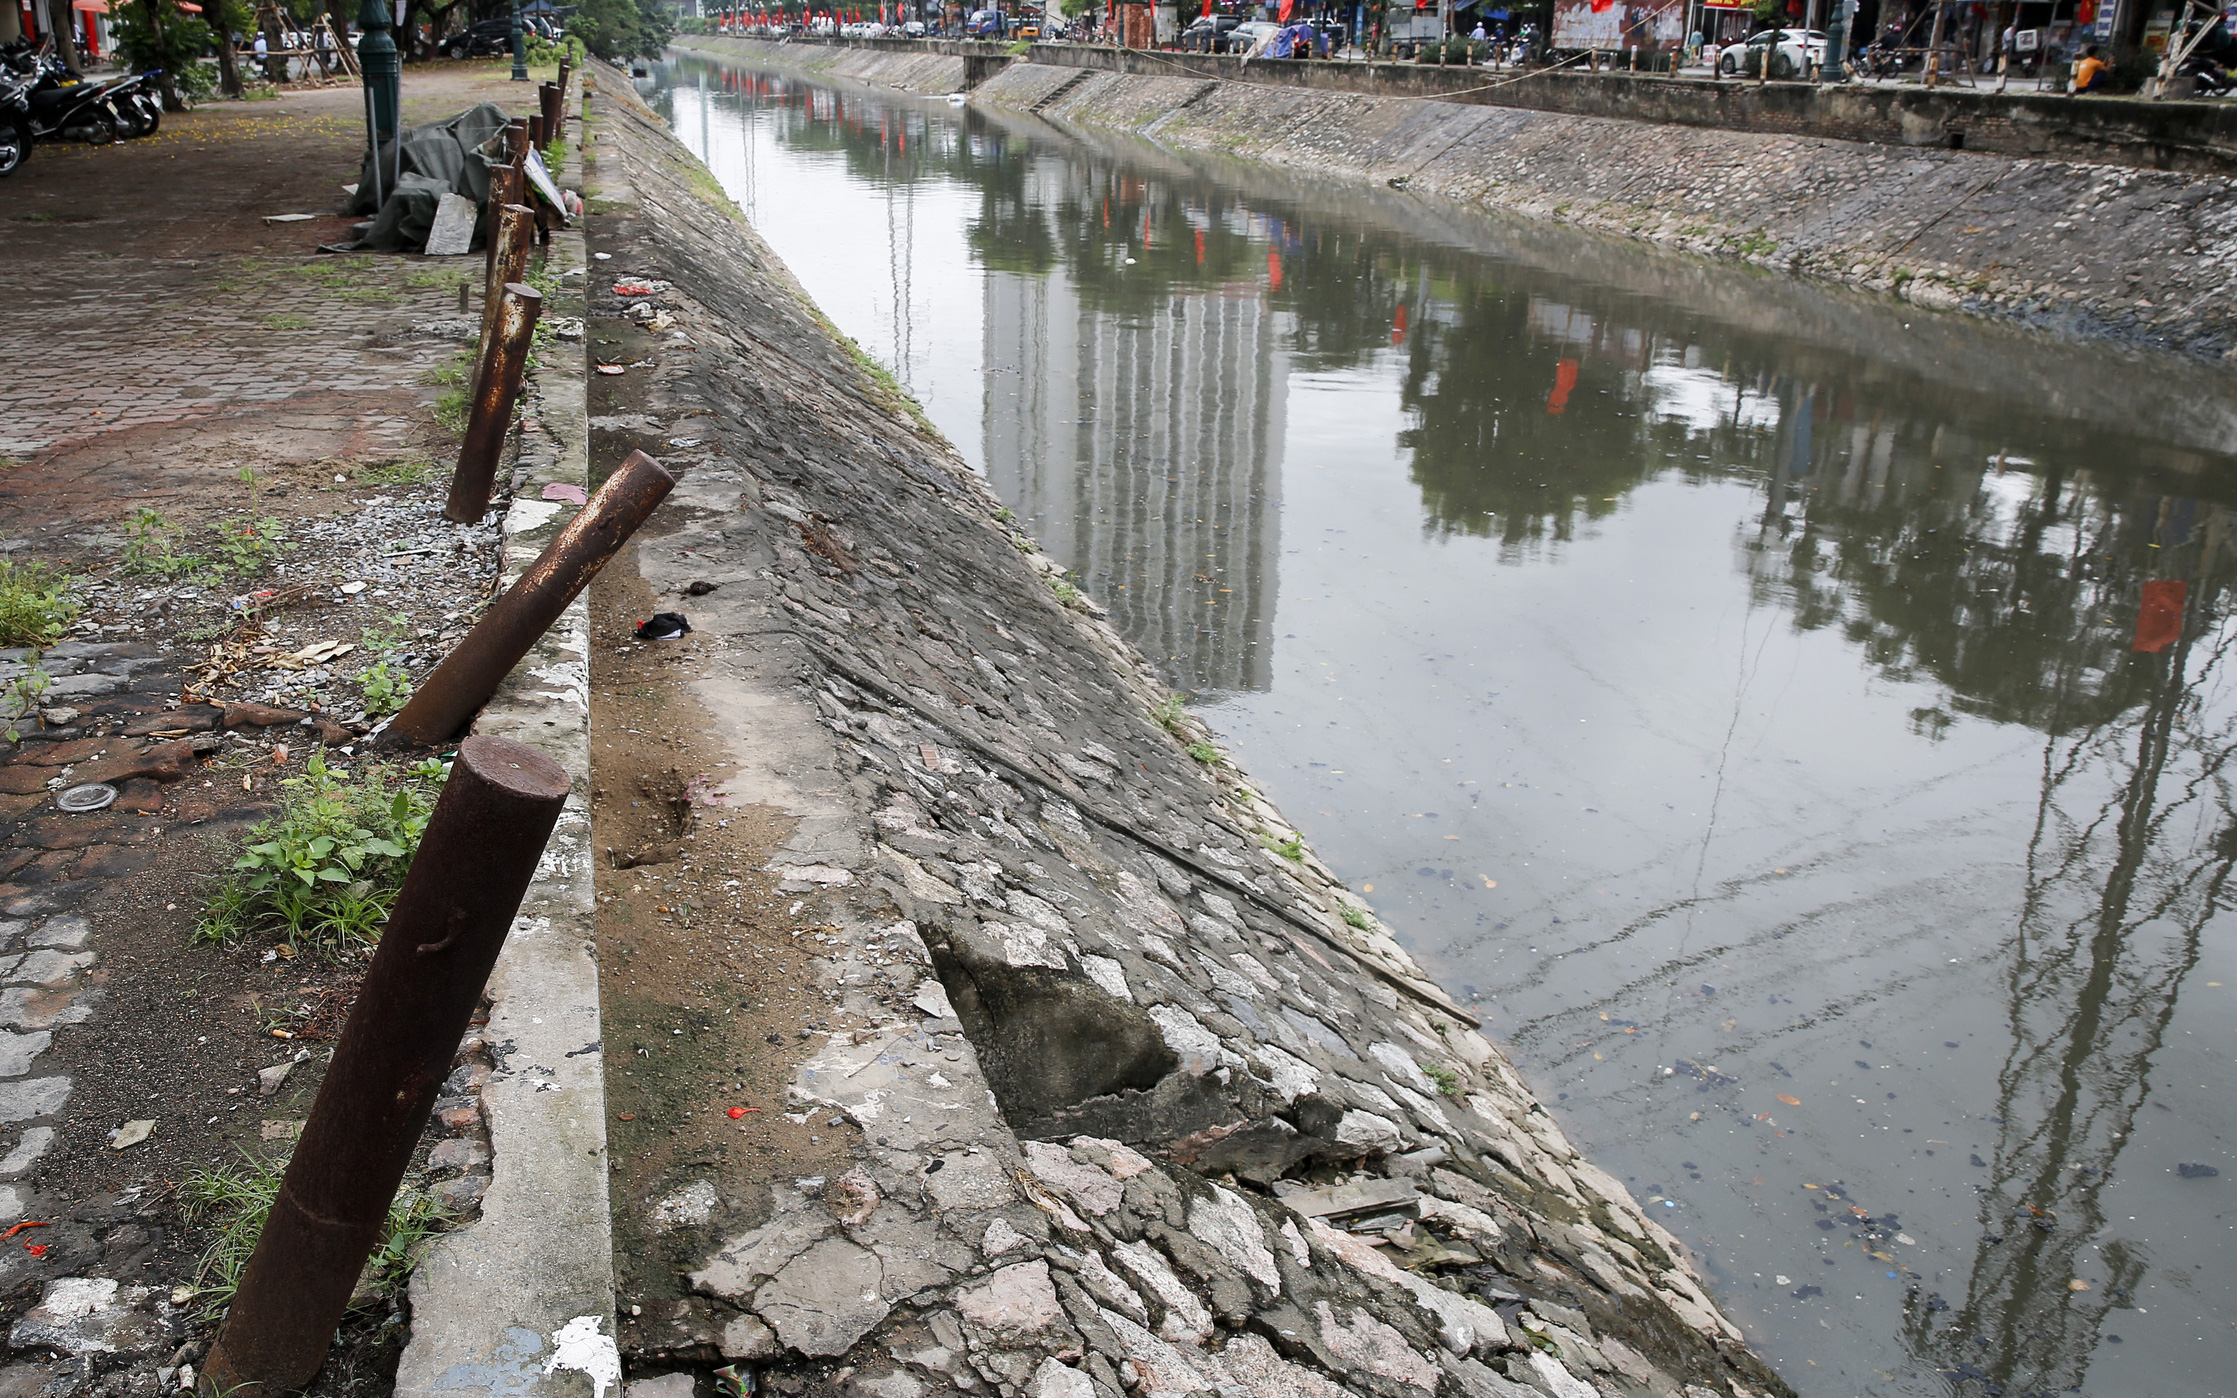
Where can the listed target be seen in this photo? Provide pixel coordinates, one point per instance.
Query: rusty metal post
(447, 699)
(516, 138)
(496, 388)
(548, 97)
(508, 262)
(508, 184)
(458, 901)
(536, 131)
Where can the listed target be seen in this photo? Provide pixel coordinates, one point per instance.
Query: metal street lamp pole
(520, 47)
(383, 72)
(1837, 42)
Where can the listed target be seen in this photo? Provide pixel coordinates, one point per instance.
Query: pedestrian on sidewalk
(2092, 74)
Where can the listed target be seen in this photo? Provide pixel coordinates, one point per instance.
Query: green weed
(1291, 849)
(246, 545)
(452, 371)
(1356, 917)
(1204, 753)
(1169, 713)
(237, 1199)
(20, 696)
(450, 410)
(1067, 594)
(287, 320)
(151, 546)
(386, 685)
(1448, 1081)
(325, 869)
(35, 605)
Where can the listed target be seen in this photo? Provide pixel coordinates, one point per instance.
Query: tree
(624, 28)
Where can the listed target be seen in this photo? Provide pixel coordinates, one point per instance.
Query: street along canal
(1800, 724)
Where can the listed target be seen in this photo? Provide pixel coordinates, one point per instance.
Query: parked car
(1787, 59)
(1246, 36)
(913, 29)
(987, 24)
(1208, 34)
(480, 39)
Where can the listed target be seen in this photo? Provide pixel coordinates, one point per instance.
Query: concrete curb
(521, 1301)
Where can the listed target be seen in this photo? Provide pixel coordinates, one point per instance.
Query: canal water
(1802, 726)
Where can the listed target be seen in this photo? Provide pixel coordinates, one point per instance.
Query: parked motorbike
(66, 107)
(15, 122)
(137, 104)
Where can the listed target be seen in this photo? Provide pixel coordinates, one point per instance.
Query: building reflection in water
(1144, 448)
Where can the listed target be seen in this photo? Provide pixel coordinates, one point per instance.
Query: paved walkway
(177, 338)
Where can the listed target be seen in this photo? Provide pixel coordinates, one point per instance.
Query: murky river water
(1805, 726)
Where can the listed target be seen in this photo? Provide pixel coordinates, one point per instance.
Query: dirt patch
(707, 986)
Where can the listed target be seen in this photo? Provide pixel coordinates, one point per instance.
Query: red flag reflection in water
(1564, 379)
(2159, 621)
(1398, 327)
(1274, 268)
(1199, 247)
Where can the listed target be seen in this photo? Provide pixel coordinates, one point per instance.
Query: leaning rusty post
(536, 131)
(548, 96)
(516, 137)
(471, 673)
(516, 229)
(496, 388)
(508, 184)
(474, 864)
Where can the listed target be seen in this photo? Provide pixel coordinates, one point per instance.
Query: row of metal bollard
(474, 865)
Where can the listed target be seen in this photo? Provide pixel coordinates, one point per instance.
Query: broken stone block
(1017, 1305)
(677, 1385)
(827, 1298)
(96, 1315)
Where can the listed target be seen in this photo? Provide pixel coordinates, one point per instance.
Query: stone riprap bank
(2101, 251)
(1139, 1098)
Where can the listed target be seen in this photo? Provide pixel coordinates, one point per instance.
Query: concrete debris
(96, 1315)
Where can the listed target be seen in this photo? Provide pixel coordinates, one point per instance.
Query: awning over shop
(91, 7)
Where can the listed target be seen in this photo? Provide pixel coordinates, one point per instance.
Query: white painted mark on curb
(579, 1345)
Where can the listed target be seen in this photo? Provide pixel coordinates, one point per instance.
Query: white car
(1794, 45)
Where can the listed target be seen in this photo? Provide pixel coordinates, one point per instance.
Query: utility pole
(383, 70)
(520, 47)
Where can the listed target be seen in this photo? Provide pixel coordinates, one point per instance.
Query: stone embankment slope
(1135, 1096)
(2100, 251)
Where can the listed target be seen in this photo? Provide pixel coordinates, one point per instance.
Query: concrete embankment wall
(1124, 1078)
(2199, 137)
(2100, 251)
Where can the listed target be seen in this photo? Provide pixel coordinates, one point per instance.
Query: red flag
(1602, 6)
(1398, 326)
(2159, 621)
(1564, 380)
(1289, 8)
(1207, 9)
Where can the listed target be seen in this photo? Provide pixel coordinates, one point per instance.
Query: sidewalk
(181, 355)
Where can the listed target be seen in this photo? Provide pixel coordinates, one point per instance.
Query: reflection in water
(1901, 729)
(1147, 452)
(2133, 849)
